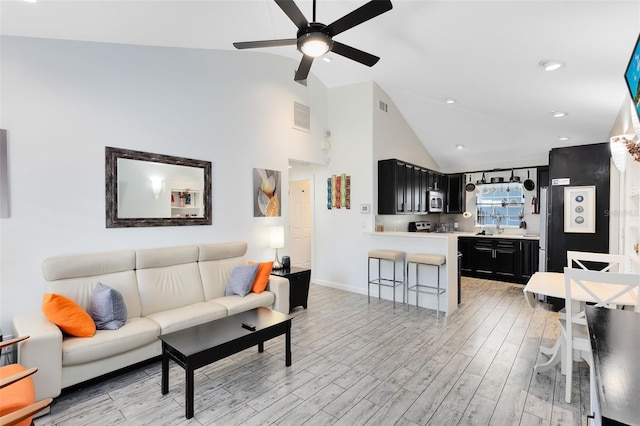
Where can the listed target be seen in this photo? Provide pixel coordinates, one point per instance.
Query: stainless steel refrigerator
(544, 221)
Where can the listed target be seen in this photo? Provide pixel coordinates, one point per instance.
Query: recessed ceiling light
(459, 146)
(551, 65)
(450, 101)
(563, 138)
(326, 58)
(558, 114)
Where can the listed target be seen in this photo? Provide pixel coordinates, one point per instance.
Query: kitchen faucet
(498, 220)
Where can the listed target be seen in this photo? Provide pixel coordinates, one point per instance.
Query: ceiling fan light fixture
(314, 44)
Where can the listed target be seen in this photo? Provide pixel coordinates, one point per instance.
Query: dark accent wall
(584, 165)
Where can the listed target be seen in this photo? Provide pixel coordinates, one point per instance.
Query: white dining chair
(602, 288)
(614, 262)
(580, 260)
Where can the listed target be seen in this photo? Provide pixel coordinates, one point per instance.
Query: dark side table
(299, 279)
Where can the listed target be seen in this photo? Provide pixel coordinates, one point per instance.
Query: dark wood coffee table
(203, 344)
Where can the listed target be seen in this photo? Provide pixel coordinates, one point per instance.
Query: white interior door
(300, 223)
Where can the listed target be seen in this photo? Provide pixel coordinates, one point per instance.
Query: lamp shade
(276, 237)
(619, 151)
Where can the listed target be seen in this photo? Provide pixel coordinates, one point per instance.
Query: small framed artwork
(266, 193)
(580, 209)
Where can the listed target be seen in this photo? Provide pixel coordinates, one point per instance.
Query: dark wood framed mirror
(145, 189)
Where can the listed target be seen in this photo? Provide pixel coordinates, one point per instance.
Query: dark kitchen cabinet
(402, 187)
(395, 187)
(465, 247)
(506, 259)
(496, 259)
(455, 199)
(502, 259)
(436, 181)
(420, 188)
(529, 252)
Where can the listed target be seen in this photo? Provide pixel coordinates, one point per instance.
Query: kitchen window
(500, 203)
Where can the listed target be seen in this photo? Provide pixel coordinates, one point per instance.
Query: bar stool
(393, 256)
(426, 260)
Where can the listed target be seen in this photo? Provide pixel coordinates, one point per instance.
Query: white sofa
(165, 290)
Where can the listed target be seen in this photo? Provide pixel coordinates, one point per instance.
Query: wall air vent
(301, 117)
(383, 106)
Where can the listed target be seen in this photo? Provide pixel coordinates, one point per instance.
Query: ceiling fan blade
(303, 69)
(358, 16)
(264, 43)
(293, 12)
(352, 53)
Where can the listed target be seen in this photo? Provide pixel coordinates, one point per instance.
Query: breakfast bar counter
(445, 244)
(442, 243)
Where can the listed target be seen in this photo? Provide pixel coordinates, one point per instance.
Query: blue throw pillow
(107, 308)
(241, 280)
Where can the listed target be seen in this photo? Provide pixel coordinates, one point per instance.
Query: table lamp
(276, 241)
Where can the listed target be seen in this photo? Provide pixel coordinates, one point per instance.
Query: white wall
(393, 138)
(361, 134)
(63, 102)
(338, 239)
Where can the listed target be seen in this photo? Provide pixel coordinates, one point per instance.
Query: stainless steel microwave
(436, 201)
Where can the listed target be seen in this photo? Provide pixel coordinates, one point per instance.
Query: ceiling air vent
(301, 116)
(382, 106)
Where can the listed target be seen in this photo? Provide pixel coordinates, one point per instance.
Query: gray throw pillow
(107, 308)
(241, 280)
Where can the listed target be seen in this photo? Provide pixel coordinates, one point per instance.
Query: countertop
(456, 234)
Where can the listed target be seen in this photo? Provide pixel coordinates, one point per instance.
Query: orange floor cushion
(17, 395)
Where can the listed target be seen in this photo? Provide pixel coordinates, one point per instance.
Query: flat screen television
(632, 76)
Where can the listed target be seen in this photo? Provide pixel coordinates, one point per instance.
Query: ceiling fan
(315, 39)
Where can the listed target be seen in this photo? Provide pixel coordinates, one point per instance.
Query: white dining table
(552, 284)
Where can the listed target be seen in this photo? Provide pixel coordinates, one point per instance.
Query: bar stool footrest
(431, 290)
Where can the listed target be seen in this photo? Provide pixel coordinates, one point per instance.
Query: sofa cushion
(81, 288)
(107, 308)
(262, 277)
(187, 316)
(136, 332)
(215, 274)
(170, 287)
(68, 315)
(235, 304)
(241, 280)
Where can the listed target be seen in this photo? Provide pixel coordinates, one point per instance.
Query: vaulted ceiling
(483, 54)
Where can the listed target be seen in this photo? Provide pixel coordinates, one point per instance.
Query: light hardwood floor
(356, 363)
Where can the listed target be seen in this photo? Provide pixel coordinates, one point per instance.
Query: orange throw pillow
(262, 277)
(68, 315)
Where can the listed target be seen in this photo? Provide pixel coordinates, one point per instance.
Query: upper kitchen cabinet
(436, 181)
(404, 188)
(455, 199)
(395, 187)
(420, 189)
